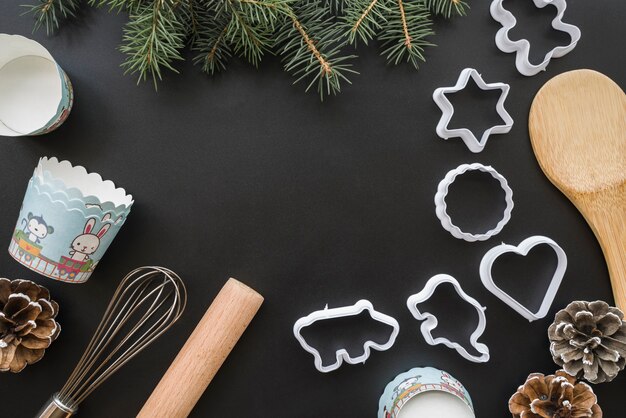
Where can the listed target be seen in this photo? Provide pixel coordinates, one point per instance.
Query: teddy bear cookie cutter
(471, 141)
(441, 205)
(523, 249)
(342, 354)
(521, 47)
(430, 321)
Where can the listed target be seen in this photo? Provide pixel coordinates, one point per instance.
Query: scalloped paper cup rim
(74, 198)
(72, 206)
(77, 178)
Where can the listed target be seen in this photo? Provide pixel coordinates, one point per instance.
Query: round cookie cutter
(441, 205)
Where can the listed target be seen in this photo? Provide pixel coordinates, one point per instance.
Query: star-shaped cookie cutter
(522, 46)
(430, 320)
(342, 354)
(474, 144)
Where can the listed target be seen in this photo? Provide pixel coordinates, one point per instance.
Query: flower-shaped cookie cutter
(522, 46)
(523, 249)
(430, 320)
(441, 205)
(342, 354)
(474, 144)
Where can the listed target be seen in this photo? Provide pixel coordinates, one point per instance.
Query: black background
(311, 203)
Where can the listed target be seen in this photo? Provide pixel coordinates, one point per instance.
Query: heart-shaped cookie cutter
(430, 320)
(342, 354)
(441, 205)
(474, 144)
(522, 46)
(523, 249)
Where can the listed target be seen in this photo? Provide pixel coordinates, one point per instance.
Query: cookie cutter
(474, 144)
(430, 320)
(441, 205)
(524, 248)
(522, 46)
(342, 354)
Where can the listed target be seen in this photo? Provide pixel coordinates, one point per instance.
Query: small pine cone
(27, 325)
(588, 339)
(554, 396)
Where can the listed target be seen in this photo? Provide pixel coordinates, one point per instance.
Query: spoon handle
(607, 217)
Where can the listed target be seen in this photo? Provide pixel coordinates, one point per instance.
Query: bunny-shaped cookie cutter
(430, 322)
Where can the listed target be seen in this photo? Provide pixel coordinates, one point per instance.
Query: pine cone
(27, 325)
(554, 396)
(588, 339)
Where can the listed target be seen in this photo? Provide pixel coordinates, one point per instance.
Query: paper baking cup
(425, 392)
(68, 219)
(35, 93)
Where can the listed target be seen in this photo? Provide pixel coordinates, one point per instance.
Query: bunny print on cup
(87, 243)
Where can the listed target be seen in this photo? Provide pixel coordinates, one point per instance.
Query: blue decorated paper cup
(68, 219)
(36, 95)
(425, 392)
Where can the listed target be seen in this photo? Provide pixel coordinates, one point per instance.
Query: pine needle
(364, 19)
(310, 45)
(446, 8)
(252, 25)
(211, 45)
(404, 33)
(153, 39)
(48, 13)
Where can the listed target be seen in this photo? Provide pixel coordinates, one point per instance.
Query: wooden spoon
(577, 127)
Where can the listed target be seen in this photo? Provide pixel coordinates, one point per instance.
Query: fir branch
(189, 12)
(446, 8)
(308, 34)
(404, 33)
(194, 17)
(252, 25)
(117, 5)
(335, 7)
(48, 13)
(153, 39)
(364, 18)
(211, 42)
(266, 12)
(310, 43)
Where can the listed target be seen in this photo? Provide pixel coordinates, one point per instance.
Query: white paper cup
(35, 93)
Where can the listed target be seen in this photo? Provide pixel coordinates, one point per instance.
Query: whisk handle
(55, 409)
(204, 352)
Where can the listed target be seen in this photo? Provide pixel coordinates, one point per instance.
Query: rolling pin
(204, 352)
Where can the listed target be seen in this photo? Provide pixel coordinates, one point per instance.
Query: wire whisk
(146, 304)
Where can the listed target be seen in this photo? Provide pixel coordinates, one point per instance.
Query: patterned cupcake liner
(415, 382)
(62, 234)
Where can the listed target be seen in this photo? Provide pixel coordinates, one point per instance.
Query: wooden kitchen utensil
(204, 352)
(577, 127)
